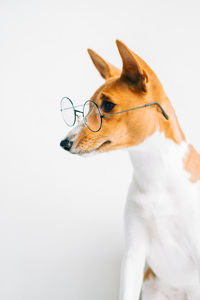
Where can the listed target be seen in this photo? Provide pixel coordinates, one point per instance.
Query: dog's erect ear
(105, 69)
(131, 68)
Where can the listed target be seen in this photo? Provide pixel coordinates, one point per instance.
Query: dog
(162, 213)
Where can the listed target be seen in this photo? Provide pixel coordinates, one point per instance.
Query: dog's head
(135, 85)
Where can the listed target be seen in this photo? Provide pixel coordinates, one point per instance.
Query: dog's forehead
(112, 88)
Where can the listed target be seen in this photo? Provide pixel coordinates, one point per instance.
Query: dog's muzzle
(66, 144)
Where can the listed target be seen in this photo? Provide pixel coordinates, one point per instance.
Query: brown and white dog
(162, 214)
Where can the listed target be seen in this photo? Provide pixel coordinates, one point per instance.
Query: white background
(61, 233)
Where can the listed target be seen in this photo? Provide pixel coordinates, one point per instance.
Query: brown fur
(149, 273)
(192, 164)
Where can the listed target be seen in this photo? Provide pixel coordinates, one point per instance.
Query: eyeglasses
(91, 113)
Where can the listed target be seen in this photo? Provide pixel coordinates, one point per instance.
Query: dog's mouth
(99, 149)
(103, 145)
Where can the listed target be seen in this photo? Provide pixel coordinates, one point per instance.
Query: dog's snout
(66, 144)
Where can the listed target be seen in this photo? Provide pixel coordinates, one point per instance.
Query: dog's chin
(100, 149)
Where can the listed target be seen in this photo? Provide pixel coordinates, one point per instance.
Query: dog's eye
(107, 106)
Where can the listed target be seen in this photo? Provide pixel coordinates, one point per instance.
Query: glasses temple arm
(145, 105)
(163, 112)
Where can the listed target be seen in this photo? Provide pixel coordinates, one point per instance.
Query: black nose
(66, 144)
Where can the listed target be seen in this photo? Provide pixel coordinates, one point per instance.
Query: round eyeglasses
(91, 113)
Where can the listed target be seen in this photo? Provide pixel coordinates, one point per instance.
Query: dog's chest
(171, 224)
(168, 206)
(170, 252)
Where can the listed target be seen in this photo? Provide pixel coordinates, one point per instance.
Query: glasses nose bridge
(78, 111)
(77, 115)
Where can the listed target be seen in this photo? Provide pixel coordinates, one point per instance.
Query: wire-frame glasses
(92, 114)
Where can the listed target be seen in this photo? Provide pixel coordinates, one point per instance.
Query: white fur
(162, 224)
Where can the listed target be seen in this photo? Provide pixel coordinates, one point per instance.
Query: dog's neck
(156, 161)
(164, 158)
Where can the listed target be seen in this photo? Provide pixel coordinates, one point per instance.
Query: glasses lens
(67, 109)
(92, 116)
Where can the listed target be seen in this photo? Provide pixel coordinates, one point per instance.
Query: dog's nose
(66, 144)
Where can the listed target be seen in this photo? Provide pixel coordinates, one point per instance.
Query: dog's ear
(105, 69)
(131, 69)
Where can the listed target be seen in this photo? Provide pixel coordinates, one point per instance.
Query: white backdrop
(61, 233)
